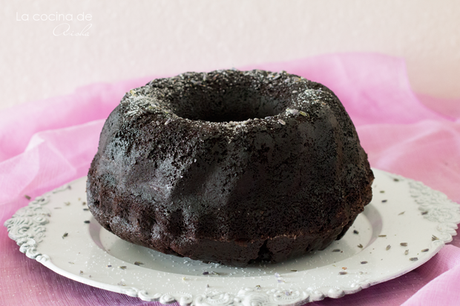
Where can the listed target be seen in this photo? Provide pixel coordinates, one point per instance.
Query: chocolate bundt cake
(230, 167)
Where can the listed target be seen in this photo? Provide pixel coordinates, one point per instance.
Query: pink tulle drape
(45, 144)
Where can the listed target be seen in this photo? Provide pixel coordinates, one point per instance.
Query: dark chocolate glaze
(229, 166)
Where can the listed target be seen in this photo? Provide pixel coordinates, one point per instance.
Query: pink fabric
(47, 143)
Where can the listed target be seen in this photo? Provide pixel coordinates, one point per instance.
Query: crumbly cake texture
(229, 166)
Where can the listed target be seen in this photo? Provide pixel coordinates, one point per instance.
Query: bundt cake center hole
(226, 104)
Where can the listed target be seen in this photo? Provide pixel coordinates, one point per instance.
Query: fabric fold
(45, 144)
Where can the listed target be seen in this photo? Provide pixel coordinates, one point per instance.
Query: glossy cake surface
(229, 166)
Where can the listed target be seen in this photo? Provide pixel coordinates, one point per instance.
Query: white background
(128, 39)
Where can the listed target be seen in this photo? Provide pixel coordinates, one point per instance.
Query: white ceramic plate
(404, 226)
